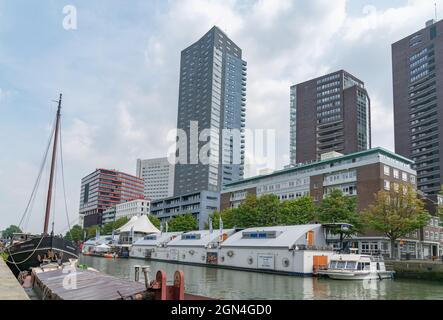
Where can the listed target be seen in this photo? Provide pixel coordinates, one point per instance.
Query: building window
(387, 171)
(387, 185)
(404, 176)
(396, 174)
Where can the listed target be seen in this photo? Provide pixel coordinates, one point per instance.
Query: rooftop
(304, 166)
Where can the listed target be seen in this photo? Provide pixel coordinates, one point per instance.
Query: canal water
(242, 285)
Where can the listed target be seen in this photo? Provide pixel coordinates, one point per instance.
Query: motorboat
(356, 267)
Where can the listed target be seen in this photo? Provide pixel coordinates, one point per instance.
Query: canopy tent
(140, 224)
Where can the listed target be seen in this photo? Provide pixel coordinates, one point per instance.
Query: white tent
(139, 225)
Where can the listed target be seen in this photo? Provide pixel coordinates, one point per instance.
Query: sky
(118, 71)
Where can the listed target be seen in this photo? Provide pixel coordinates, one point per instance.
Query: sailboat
(31, 251)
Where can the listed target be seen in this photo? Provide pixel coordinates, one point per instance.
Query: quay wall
(10, 289)
(421, 270)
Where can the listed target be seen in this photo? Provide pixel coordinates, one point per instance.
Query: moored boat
(29, 251)
(357, 267)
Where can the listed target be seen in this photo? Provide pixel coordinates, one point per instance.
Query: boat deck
(10, 289)
(84, 285)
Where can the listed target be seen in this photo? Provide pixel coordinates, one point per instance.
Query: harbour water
(242, 285)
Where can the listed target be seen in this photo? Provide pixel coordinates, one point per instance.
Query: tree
(111, 226)
(75, 234)
(297, 211)
(183, 223)
(91, 232)
(8, 232)
(155, 221)
(396, 213)
(120, 222)
(338, 208)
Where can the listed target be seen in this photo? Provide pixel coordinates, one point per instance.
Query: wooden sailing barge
(33, 250)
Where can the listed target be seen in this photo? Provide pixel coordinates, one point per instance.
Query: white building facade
(158, 176)
(134, 208)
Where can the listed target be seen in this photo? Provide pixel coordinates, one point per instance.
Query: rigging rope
(63, 184)
(37, 183)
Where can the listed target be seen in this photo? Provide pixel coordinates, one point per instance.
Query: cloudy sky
(119, 71)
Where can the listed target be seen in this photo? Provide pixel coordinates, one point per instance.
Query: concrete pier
(10, 289)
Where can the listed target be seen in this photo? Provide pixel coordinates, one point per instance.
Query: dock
(10, 289)
(85, 284)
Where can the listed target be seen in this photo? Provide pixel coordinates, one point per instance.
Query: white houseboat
(295, 250)
(192, 247)
(143, 248)
(357, 267)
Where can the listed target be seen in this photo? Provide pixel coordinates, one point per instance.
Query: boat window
(360, 266)
(341, 264)
(378, 266)
(367, 266)
(333, 265)
(351, 265)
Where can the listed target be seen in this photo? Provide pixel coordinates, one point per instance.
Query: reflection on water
(230, 284)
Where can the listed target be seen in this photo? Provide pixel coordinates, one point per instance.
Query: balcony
(424, 128)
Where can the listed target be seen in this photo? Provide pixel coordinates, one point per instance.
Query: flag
(167, 226)
(161, 228)
(97, 234)
(113, 234)
(84, 235)
(210, 225)
(132, 234)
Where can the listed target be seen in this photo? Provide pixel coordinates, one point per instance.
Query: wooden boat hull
(30, 254)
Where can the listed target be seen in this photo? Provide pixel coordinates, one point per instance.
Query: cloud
(119, 73)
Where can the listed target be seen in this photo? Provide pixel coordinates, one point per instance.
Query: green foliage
(91, 232)
(111, 226)
(7, 233)
(338, 208)
(4, 256)
(76, 232)
(266, 211)
(183, 223)
(298, 211)
(155, 221)
(397, 213)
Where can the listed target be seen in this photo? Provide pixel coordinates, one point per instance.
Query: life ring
(191, 252)
(286, 262)
(230, 254)
(250, 260)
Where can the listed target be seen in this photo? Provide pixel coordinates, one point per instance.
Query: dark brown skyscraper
(330, 113)
(418, 95)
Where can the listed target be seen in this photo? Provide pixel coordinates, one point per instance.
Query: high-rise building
(211, 112)
(103, 189)
(133, 208)
(330, 113)
(417, 62)
(158, 177)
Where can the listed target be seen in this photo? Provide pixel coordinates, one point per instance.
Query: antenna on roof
(435, 5)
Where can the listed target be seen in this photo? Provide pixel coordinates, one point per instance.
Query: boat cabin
(283, 249)
(144, 247)
(192, 247)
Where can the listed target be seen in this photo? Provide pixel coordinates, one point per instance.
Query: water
(242, 285)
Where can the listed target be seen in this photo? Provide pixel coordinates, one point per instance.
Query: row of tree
(8, 232)
(394, 213)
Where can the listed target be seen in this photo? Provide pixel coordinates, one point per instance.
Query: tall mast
(53, 163)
